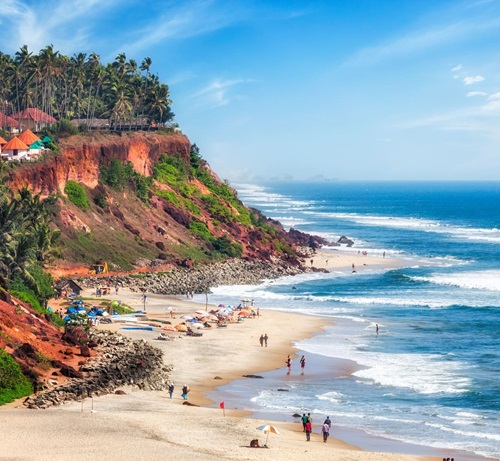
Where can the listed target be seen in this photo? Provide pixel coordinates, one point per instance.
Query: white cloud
(217, 93)
(472, 80)
(470, 94)
(64, 23)
(494, 96)
(444, 31)
(456, 68)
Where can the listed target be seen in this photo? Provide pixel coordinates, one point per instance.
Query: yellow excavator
(99, 268)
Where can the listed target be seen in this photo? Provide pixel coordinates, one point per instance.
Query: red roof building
(8, 123)
(34, 119)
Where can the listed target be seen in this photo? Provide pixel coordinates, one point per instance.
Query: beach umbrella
(181, 327)
(267, 428)
(221, 305)
(198, 325)
(186, 317)
(202, 313)
(212, 318)
(169, 309)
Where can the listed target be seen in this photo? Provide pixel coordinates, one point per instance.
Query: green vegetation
(201, 229)
(27, 242)
(119, 175)
(81, 87)
(171, 170)
(170, 196)
(224, 247)
(76, 194)
(13, 384)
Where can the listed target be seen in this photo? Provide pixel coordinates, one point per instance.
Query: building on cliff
(15, 149)
(34, 119)
(8, 124)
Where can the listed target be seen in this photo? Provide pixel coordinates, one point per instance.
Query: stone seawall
(121, 362)
(199, 280)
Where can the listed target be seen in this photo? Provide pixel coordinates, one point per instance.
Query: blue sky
(338, 89)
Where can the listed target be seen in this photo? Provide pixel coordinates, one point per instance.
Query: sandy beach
(149, 425)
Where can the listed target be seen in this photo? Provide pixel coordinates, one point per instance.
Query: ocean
(432, 376)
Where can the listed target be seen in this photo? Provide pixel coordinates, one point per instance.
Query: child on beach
(326, 431)
(171, 389)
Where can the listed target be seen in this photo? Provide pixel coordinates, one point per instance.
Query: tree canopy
(82, 87)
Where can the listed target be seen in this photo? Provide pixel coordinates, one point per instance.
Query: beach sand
(145, 425)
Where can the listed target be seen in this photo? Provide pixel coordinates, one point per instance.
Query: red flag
(221, 405)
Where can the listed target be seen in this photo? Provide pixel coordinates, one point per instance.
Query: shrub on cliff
(13, 384)
(76, 194)
(201, 229)
(225, 247)
(119, 175)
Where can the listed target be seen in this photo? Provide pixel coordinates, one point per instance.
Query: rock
(120, 392)
(217, 377)
(346, 241)
(189, 404)
(253, 376)
(283, 390)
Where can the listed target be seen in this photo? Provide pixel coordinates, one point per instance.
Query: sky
(304, 90)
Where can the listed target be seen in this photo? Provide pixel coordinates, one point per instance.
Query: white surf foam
(473, 280)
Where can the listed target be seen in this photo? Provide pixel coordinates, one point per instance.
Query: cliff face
(81, 158)
(182, 219)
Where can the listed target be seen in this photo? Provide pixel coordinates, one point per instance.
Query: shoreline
(226, 353)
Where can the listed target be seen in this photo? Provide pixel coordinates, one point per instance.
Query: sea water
(432, 375)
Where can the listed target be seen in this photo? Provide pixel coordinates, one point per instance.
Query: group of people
(288, 364)
(263, 340)
(307, 427)
(185, 390)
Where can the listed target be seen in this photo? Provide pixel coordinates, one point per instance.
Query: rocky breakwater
(121, 362)
(199, 280)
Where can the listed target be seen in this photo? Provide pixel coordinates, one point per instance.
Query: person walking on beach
(309, 418)
(261, 340)
(308, 431)
(325, 431)
(265, 339)
(171, 389)
(328, 421)
(304, 420)
(288, 364)
(302, 364)
(185, 391)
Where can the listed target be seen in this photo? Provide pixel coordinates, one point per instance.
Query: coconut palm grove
(83, 89)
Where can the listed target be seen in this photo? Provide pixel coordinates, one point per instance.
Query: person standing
(171, 389)
(326, 431)
(304, 420)
(185, 391)
(265, 339)
(308, 430)
(302, 364)
(289, 364)
(261, 340)
(376, 328)
(328, 421)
